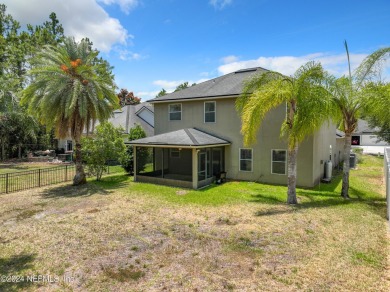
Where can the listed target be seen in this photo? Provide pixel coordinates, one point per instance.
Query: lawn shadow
(208, 188)
(113, 181)
(377, 203)
(69, 191)
(310, 202)
(93, 187)
(329, 187)
(11, 270)
(312, 198)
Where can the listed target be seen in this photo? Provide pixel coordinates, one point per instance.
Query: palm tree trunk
(292, 175)
(347, 151)
(80, 177)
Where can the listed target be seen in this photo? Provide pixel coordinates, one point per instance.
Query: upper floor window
(279, 161)
(175, 112)
(246, 159)
(209, 111)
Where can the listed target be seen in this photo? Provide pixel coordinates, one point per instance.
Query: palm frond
(371, 67)
(71, 87)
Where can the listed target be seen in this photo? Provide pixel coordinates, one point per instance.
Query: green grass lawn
(23, 176)
(23, 166)
(239, 236)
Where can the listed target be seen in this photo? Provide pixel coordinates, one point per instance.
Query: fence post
(108, 169)
(6, 183)
(66, 173)
(39, 177)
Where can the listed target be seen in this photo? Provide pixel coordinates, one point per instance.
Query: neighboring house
(126, 117)
(366, 138)
(130, 115)
(197, 138)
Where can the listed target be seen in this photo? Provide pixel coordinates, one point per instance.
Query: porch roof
(185, 138)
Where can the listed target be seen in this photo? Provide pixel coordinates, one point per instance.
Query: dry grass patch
(8, 167)
(119, 235)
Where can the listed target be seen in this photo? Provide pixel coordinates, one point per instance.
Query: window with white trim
(209, 111)
(175, 112)
(278, 161)
(246, 159)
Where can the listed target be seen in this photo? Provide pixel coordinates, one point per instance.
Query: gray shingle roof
(364, 128)
(127, 120)
(185, 137)
(226, 85)
(340, 134)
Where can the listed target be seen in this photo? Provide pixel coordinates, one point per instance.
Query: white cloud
(126, 55)
(335, 63)
(220, 4)
(170, 86)
(125, 5)
(200, 80)
(80, 18)
(146, 95)
(229, 59)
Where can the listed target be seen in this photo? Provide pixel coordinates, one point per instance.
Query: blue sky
(161, 43)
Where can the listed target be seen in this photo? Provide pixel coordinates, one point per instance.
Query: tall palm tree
(308, 106)
(348, 96)
(70, 89)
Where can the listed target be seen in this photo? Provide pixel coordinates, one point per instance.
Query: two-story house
(197, 137)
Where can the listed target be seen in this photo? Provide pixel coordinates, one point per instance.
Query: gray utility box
(352, 160)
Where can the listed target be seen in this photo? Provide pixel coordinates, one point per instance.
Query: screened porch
(186, 158)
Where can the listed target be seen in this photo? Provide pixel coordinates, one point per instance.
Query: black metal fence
(24, 180)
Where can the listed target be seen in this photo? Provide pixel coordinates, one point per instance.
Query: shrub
(142, 153)
(106, 145)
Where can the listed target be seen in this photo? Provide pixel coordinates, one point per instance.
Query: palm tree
(348, 96)
(70, 89)
(308, 106)
(8, 99)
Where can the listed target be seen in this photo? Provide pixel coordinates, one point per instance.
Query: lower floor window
(246, 159)
(279, 159)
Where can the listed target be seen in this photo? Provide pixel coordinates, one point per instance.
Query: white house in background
(127, 117)
(365, 137)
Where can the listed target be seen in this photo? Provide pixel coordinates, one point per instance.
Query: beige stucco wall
(322, 141)
(339, 150)
(228, 125)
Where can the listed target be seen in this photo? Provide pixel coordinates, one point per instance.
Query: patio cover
(184, 138)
